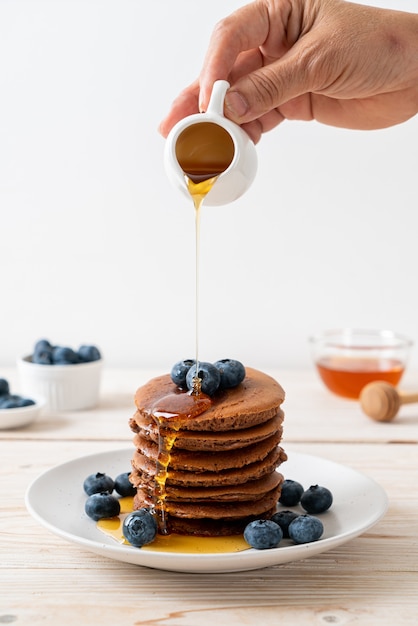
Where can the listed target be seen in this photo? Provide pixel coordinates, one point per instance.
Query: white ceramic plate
(56, 499)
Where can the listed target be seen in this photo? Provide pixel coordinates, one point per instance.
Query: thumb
(261, 91)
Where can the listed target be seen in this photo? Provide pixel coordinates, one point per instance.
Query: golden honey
(172, 543)
(204, 151)
(346, 376)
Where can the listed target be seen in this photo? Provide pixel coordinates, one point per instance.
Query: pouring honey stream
(204, 152)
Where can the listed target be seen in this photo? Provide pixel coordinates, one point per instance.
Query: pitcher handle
(216, 102)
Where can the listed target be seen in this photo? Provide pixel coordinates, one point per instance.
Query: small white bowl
(21, 416)
(64, 387)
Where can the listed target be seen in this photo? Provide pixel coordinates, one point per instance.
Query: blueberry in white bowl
(17, 410)
(45, 353)
(69, 379)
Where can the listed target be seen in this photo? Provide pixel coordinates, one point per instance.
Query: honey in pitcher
(204, 150)
(346, 376)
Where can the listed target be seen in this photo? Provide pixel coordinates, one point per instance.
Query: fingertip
(204, 97)
(162, 129)
(168, 122)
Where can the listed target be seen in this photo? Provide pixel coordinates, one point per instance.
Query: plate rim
(204, 562)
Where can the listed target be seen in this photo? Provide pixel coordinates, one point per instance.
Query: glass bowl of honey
(348, 359)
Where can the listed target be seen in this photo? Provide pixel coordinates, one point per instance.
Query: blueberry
(283, 519)
(179, 372)
(99, 482)
(4, 401)
(209, 375)
(12, 401)
(232, 372)
(100, 505)
(123, 485)
(42, 344)
(20, 401)
(9, 402)
(263, 534)
(139, 527)
(316, 499)
(44, 358)
(86, 354)
(62, 355)
(42, 353)
(4, 387)
(305, 529)
(291, 493)
(27, 402)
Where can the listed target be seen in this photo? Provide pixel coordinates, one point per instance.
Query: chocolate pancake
(205, 519)
(218, 510)
(198, 462)
(212, 470)
(255, 401)
(242, 492)
(248, 491)
(232, 476)
(209, 440)
(206, 527)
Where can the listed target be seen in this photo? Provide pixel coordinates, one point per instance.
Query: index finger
(245, 29)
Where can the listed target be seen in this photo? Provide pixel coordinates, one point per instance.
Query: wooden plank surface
(371, 580)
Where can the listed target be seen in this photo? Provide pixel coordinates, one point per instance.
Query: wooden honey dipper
(381, 401)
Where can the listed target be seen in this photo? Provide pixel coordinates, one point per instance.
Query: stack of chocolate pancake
(220, 467)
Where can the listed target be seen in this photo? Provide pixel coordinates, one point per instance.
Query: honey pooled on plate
(185, 544)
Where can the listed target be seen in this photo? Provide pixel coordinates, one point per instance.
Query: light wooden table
(371, 580)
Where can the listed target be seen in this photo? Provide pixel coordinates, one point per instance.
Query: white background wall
(97, 247)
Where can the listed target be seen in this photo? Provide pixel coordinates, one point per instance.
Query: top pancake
(256, 400)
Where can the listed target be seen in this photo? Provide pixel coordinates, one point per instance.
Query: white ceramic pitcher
(205, 138)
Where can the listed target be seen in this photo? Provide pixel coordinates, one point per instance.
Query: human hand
(339, 63)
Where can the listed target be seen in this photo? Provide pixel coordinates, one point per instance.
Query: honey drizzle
(180, 407)
(166, 444)
(170, 413)
(198, 191)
